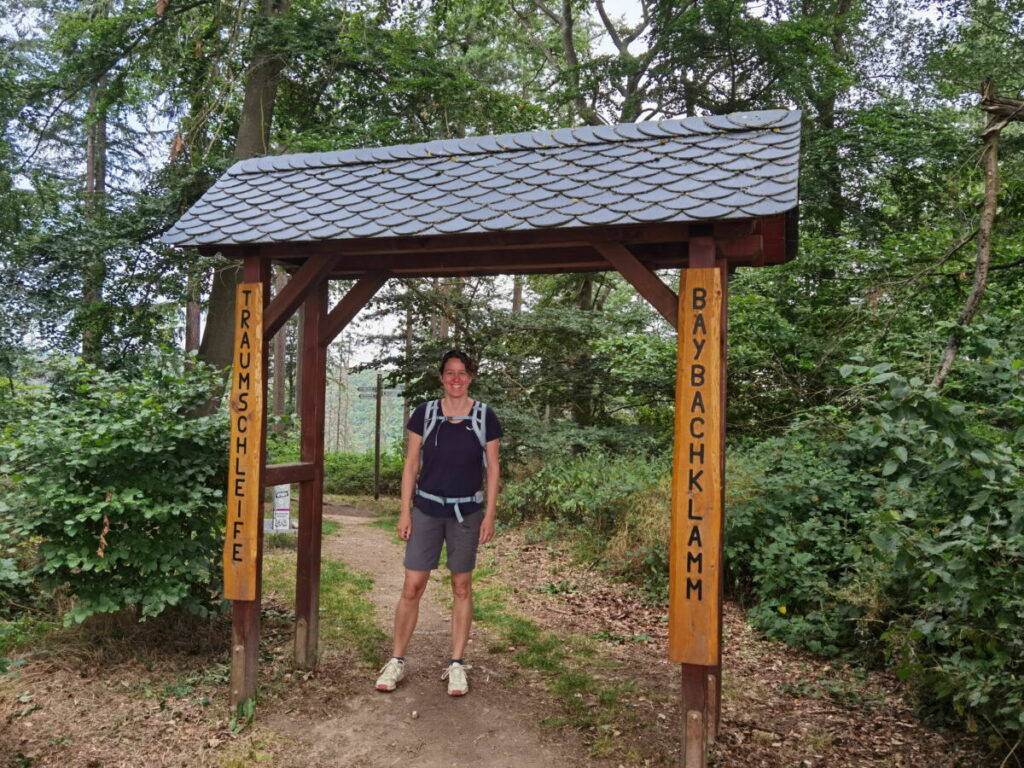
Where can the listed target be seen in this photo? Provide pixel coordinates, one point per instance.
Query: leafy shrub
(14, 582)
(793, 521)
(897, 532)
(120, 486)
(352, 473)
(616, 508)
(591, 490)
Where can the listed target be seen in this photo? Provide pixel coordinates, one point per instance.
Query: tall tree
(268, 59)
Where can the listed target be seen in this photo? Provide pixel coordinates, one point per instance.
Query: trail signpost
(377, 393)
(245, 494)
(698, 471)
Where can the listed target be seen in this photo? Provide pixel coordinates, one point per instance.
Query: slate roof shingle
(737, 166)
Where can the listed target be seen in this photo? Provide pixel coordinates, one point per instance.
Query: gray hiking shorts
(423, 549)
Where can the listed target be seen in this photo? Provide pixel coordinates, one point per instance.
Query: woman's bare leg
(408, 609)
(462, 612)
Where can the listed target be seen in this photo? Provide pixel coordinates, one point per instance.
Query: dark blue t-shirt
(453, 464)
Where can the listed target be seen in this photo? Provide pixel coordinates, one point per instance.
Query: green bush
(352, 473)
(897, 533)
(120, 487)
(592, 490)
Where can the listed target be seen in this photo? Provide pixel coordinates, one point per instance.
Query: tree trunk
(192, 315)
(95, 273)
(1001, 114)
(260, 92)
(280, 358)
(253, 139)
(583, 390)
(825, 106)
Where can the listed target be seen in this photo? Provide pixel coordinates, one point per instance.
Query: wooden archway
(701, 195)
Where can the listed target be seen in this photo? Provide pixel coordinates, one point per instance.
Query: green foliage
(119, 487)
(592, 491)
(352, 473)
(898, 532)
(398, 83)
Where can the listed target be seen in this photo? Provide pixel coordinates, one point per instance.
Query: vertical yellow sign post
(245, 494)
(696, 537)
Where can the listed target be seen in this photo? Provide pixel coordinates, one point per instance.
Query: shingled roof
(698, 169)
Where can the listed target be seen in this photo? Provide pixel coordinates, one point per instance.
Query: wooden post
(376, 439)
(695, 608)
(311, 443)
(715, 673)
(243, 561)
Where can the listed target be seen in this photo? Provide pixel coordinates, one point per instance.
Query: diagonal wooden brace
(312, 272)
(647, 284)
(346, 309)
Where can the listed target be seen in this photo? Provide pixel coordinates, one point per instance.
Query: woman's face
(456, 379)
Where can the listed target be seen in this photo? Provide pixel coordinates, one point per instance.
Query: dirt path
(155, 694)
(495, 725)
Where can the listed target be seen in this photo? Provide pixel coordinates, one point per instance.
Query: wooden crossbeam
(647, 284)
(346, 309)
(747, 250)
(485, 242)
(286, 474)
(311, 273)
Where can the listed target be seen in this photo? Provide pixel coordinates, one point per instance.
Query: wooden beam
(309, 275)
(245, 614)
(698, 485)
(346, 309)
(773, 238)
(745, 242)
(647, 284)
(286, 474)
(472, 241)
(743, 249)
(701, 252)
(311, 448)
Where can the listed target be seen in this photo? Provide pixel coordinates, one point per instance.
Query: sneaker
(458, 684)
(390, 674)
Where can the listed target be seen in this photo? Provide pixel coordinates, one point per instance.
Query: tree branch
(540, 6)
(535, 41)
(610, 28)
(950, 253)
(990, 156)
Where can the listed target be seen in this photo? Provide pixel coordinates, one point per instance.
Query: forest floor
(569, 669)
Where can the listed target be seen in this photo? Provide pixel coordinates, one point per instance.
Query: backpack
(434, 416)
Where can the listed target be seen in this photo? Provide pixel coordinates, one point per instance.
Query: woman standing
(452, 451)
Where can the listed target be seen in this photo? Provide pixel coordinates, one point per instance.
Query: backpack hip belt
(477, 497)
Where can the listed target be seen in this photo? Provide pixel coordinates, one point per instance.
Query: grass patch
(346, 615)
(386, 506)
(291, 540)
(586, 701)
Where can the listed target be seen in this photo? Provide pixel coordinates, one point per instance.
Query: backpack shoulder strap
(430, 418)
(478, 419)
